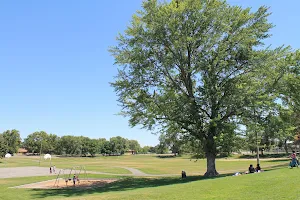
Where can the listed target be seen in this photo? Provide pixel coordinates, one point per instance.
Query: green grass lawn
(273, 184)
(148, 164)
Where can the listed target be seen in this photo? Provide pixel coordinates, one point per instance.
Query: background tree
(102, 145)
(145, 149)
(106, 148)
(35, 141)
(93, 147)
(118, 145)
(13, 140)
(85, 145)
(134, 145)
(192, 64)
(53, 144)
(3, 146)
(162, 147)
(71, 145)
(153, 149)
(284, 126)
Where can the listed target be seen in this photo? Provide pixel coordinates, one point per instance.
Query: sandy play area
(61, 184)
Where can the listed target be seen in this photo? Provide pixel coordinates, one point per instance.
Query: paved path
(15, 172)
(135, 172)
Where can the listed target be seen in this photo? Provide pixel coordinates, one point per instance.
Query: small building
(130, 152)
(22, 151)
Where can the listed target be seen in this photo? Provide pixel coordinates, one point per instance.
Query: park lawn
(274, 184)
(11, 193)
(91, 164)
(146, 163)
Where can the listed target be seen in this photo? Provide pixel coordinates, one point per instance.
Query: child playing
(74, 180)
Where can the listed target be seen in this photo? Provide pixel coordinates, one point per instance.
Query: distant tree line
(79, 145)
(272, 131)
(42, 142)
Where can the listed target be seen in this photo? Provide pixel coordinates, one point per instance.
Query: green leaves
(13, 140)
(196, 66)
(3, 146)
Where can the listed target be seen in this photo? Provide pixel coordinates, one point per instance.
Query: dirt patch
(61, 184)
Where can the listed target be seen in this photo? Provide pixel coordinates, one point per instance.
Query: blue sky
(55, 68)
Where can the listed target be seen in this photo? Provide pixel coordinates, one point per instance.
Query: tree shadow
(124, 184)
(276, 167)
(131, 183)
(166, 156)
(280, 155)
(279, 160)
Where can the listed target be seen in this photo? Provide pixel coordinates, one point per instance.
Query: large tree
(192, 64)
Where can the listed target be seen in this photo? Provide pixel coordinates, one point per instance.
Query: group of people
(294, 163)
(251, 170)
(254, 170)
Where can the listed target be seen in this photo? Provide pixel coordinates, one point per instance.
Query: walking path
(15, 172)
(134, 172)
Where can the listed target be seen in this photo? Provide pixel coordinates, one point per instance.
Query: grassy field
(273, 184)
(278, 182)
(147, 164)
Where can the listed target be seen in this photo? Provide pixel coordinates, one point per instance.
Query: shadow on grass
(281, 155)
(276, 167)
(124, 184)
(168, 156)
(279, 160)
(131, 183)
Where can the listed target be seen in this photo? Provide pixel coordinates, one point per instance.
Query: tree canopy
(196, 67)
(13, 140)
(77, 145)
(3, 146)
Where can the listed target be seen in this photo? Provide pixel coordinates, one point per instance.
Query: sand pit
(61, 184)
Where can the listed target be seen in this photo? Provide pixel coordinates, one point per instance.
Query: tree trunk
(211, 152)
(211, 165)
(285, 147)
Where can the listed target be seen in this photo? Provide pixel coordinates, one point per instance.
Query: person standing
(74, 180)
(294, 162)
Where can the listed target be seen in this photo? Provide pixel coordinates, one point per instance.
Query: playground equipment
(67, 175)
